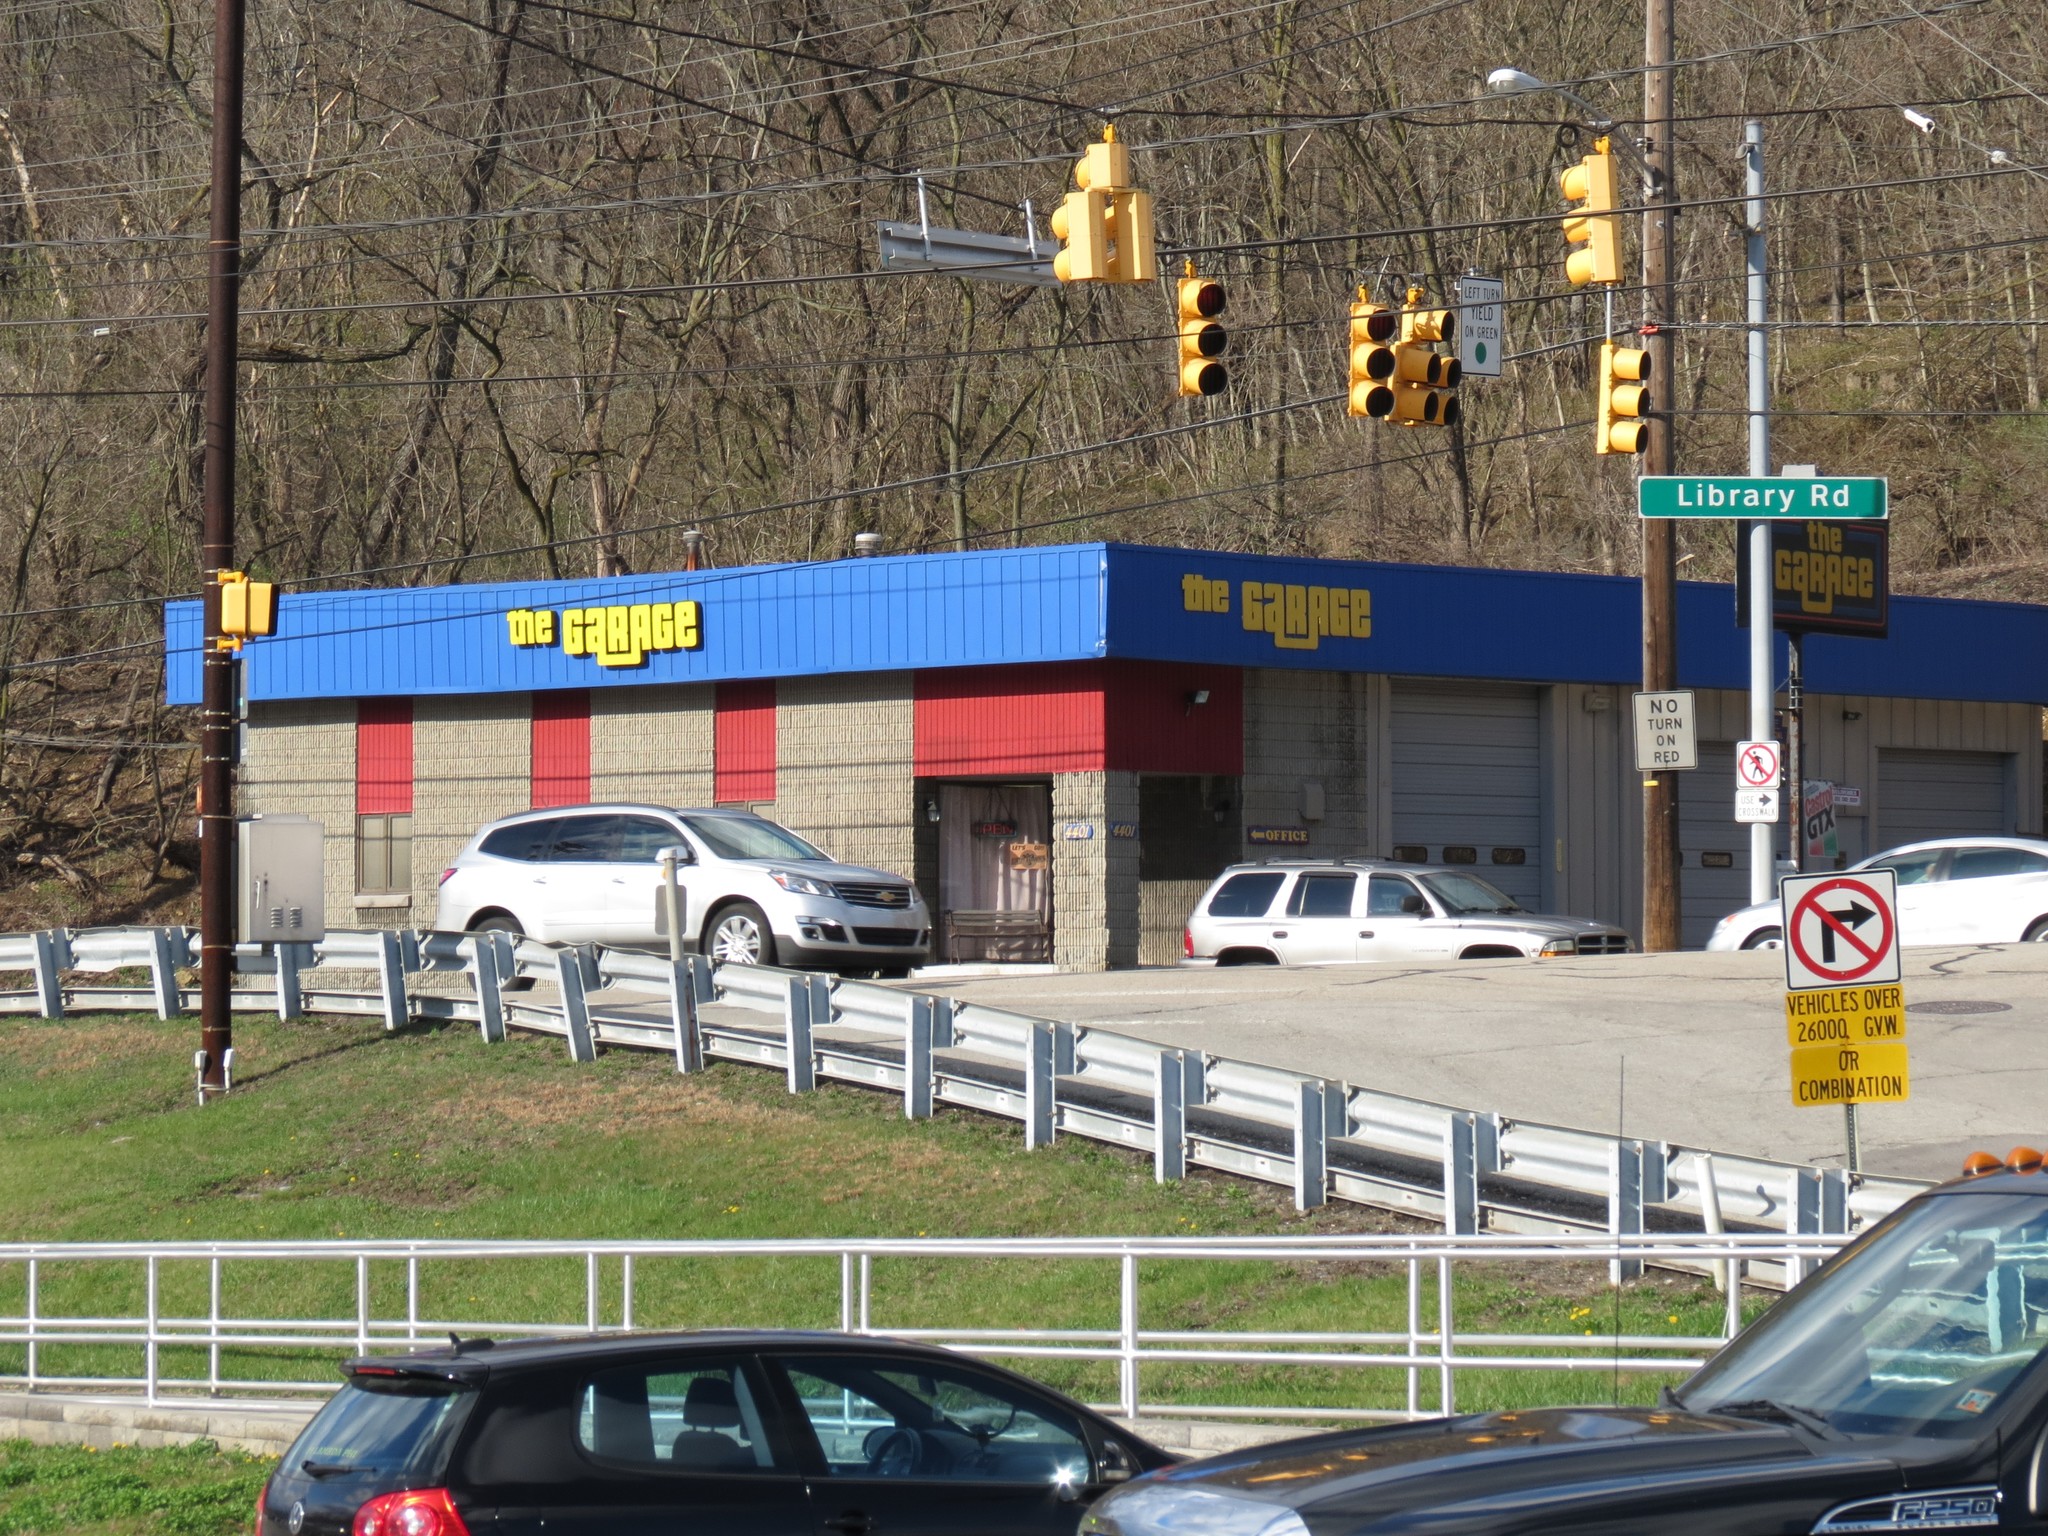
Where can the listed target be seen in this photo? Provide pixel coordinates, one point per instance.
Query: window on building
(384, 797)
(384, 853)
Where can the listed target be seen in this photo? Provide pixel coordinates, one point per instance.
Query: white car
(753, 893)
(1332, 912)
(1952, 890)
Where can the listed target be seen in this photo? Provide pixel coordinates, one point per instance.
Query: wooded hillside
(532, 287)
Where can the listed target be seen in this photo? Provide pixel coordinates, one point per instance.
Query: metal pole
(217, 708)
(1659, 558)
(1854, 1135)
(1795, 747)
(672, 905)
(1763, 839)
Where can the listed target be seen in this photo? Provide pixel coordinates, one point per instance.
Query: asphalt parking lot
(1686, 1047)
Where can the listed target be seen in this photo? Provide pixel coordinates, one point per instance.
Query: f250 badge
(1946, 1509)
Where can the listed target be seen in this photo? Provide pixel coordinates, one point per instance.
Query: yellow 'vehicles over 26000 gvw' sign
(614, 635)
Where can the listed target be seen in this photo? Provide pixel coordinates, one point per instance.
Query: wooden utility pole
(1660, 569)
(217, 554)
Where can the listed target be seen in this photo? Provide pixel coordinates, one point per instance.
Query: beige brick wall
(1302, 728)
(844, 771)
(652, 745)
(1095, 918)
(472, 762)
(301, 761)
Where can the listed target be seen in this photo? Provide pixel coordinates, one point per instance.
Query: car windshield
(1919, 1329)
(1460, 894)
(750, 837)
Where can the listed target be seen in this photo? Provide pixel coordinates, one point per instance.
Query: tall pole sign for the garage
(1806, 499)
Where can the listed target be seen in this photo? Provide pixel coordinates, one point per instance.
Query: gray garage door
(1467, 785)
(1940, 794)
(1714, 851)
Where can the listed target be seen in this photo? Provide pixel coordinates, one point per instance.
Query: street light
(1519, 82)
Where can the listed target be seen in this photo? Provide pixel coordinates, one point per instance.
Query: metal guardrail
(1321, 1139)
(193, 1354)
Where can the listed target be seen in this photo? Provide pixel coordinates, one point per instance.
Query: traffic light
(1594, 229)
(1425, 381)
(247, 608)
(1105, 227)
(1372, 360)
(1201, 339)
(1624, 399)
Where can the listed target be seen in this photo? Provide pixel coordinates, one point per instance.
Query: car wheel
(1764, 938)
(740, 935)
(504, 922)
(2038, 934)
(892, 973)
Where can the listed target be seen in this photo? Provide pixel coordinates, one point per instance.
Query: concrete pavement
(1683, 1047)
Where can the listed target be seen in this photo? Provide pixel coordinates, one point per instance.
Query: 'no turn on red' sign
(1840, 930)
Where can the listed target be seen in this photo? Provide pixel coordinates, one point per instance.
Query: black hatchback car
(713, 1433)
(1902, 1387)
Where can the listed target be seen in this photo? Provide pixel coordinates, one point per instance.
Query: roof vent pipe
(867, 543)
(693, 549)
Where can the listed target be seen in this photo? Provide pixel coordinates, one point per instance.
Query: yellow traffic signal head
(1372, 360)
(1593, 227)
(1104, 227)
(1624, 400)
(1202, 340)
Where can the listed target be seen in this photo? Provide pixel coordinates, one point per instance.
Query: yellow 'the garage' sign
(616, 635)
(1299, 618)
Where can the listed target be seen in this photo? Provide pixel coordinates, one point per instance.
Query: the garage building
(1062, 745)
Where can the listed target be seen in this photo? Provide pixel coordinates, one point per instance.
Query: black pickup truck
(1902, 1387)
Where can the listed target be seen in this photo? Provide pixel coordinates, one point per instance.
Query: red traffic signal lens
(1200, 296)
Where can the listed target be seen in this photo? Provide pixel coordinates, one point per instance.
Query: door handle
(1279, 933)
(1365, 933)
(854, 1522)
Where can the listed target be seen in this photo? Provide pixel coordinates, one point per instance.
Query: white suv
(1332, 912)
(753, 893)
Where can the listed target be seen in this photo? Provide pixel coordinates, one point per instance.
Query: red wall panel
(383, 757)
(1154, 725)
(1043, 718)
(561, 747)
(743, 742)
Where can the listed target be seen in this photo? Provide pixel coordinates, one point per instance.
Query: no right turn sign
(1840, 930)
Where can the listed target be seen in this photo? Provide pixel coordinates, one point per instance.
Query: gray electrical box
(282, 884)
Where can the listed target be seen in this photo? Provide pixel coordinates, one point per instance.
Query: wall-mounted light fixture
(1599, 701)
(1198, 696)
(931, 811)
(1852, 714)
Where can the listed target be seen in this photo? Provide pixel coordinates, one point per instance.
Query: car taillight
(262, 1499)
(446, 873)
(414, 1512)
(1187, 943)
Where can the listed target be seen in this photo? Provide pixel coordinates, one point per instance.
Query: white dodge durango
(1325, 912)
(753, 893)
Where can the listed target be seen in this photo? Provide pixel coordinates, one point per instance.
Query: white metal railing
(1323, 1139)
(1430, 1352)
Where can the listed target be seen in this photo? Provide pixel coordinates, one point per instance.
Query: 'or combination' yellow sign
(1845, 1016)
(1849, 1074)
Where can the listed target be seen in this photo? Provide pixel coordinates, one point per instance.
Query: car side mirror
(1414, 906)
(679, 852)
(1114, 1464)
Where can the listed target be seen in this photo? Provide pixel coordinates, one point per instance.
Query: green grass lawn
(337, 1130)
(192, 1490)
